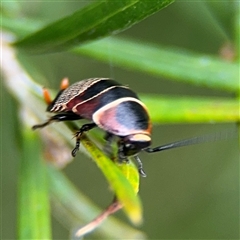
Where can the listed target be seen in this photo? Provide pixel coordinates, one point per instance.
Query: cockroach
(113, 107)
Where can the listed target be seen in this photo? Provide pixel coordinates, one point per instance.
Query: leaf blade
(96, 20)
(184, 109)
(34, 211)
(157, 60)
(124, 187)
(75, 209)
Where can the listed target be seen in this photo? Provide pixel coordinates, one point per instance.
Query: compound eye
(129, 146)
(129, 149)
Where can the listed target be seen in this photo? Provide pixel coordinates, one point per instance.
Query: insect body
(114, 108)
(108, 105)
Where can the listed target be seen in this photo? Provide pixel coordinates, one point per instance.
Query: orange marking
(46, 96)
(64, 83)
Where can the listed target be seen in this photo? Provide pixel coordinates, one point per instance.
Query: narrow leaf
(131, 173)
(125, 190)
(34, 221)
(74, 209)
(97, 20)
(160, 61)
(172, 109)
(157, 60)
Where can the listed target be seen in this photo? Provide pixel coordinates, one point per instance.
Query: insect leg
(86, 127)
(140, 166)
(68, 116)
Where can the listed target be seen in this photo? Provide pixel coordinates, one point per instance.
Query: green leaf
(34, 221)
(124, 187)
(21, 27)
(172, 109)
(74, 209)
(97, 20)
(160, 61)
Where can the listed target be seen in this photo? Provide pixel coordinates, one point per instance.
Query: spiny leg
(86, 127)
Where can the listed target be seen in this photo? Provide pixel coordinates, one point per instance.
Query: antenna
(195, 140)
